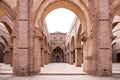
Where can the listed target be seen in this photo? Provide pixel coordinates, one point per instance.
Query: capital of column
(83, 37)
(6, 51)
(11, 46)
(71, 51)
(38, 33)
(13, 36)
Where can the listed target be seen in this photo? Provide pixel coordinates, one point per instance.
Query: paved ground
(60, 68)
(46, 77)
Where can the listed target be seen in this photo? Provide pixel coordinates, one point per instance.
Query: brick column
(23, 42)
(11, 55)
(6, 57)
(87, 57)
(15, 56)
(104, 57)
(15, 49)
(42, 57)
(78, 57)
(45, 57)
(68, 61)
(64, 57)
(71, 57)
(37, 55)
(48, 58)
(37, 50)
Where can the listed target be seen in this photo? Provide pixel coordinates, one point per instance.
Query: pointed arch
(57, 55)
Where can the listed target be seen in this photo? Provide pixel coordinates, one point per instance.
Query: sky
(59, 20)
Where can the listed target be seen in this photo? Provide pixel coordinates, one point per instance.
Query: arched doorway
(44, 10)
(57, 58)
(118, 57)
(57, 55)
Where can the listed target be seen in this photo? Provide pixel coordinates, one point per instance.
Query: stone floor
(48, 72)
(58, 77)
(61, 68)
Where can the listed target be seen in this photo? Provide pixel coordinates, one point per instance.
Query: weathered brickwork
(93, 39)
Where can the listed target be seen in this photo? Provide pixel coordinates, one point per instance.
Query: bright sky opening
(59, 20)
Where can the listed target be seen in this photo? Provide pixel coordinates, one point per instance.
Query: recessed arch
(7, 27)
(118, 57)
(2, 45)
(3, 38)
(8, 20)
(57, 55)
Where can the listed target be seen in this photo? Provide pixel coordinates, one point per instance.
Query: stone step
(63, 74)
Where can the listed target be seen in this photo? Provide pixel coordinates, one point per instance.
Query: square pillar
(15, 56)
(45, 57)
(71, 57)
(37, 50)
(37, 55)
(87, 58)
(68, 58)
(48, 58)
(104, 56)
(22, 37)
(78, 57)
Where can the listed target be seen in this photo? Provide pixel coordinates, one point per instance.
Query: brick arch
(7, 20)
(57, 47)
(115, 6)
(9, 29)
(3, 45)
(11, 15)
(77, 7)
(4, 39)
(5, 8)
